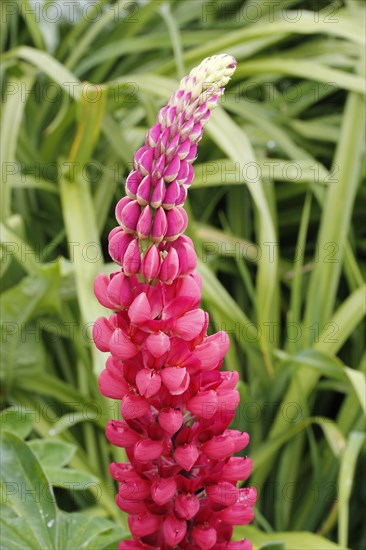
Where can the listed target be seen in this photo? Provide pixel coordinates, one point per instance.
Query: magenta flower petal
(190, 325)
(102, 333)
(146, 160)
(118, 244)
(170, 420)
(144, 524)
(134, 406)
(237, 545)
(123, 471)
(187, 506)
(186, 456)
(143, 225)
(172, 147)
(171, 195)
(132, 182)
(153, 135)
(120, 207)
(176, 379)
(203, 404)
(158, 194)
(205, 537)
(248, 495)
(239, 439)
(159, 167)
(146, 450)
(138, 155)
(140, 310)
(121, 346)
(184, 149)
(183, 172)
(119, 433)
(132, 259)
(101, 283)
(175, 224)
(212, 350)
(229, 380)
(111, 386)
(222, 446)
(148, 382)
(169, 267)
(182, 195)
(187, 128)
(150, 266)
(135, 489)
(218, 448)
(223, 493)
(129, 215)
(133, 545)
(163, 489)
(174, 529)
(135, 507)
(192, 155)
(143, 191)
(237, 468)
(159, 225)
(171, 171)
(119, 290)
(238, 514)
(158, 344)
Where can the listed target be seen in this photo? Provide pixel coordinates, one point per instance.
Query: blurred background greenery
(277, 217)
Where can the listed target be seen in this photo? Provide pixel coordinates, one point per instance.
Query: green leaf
(264, 453)
(222, 172)
(60, 390)
(52, 453)
(27, 492)
(30, 17)
(235, 143)
(303, 69)
(78, 209)
(10, 123)
(15, 247)
(50, 66)
(92, 107)
(19, 359)
(273, 546)
(66, 422)
(34, 295)
(345, 480)
(290, 541)
(17, 420)
(75, 480)
(15, 532)
(331, 367)
(340, 197)
(334, 437)
(81, 532)
(216, 294)
(30, 518)
(122, 47)
(346, 318)
(309, 23)
(358, 381)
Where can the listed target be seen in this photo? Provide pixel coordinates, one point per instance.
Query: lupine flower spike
(180, 486)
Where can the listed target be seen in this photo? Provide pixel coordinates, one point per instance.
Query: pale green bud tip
(217, 70)
(214, 71)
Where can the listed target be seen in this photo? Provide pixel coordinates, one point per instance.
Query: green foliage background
(276, 213)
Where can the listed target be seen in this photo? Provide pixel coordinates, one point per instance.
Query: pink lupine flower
(180, 486)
